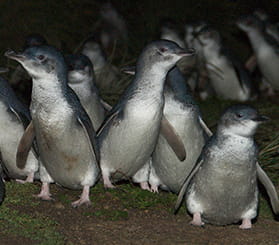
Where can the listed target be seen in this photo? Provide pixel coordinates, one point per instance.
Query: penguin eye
(41, 57)
(163, 49)
(239, 115)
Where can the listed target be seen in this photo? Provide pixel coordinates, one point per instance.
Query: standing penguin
(184, 116)
(106, 74)
(128, 136)
(227, 76)
(264, 46)
(82, 80)
(222, 188)
(64, 132)
(168, 31)
(15, 118)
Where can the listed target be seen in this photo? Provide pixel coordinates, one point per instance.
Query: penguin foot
(197, 220)
(154, 189)
(84, 198)
(107, 182)
(246, 224)
(29, 179)
(45, 194)
(144, 186)
(44, 197)
(80, 202)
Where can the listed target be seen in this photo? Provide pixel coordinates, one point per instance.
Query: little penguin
(168, 31)
(227, 75)
(129, 134)
(106, 74)
(199, 80)
(15, 117)
(63, 130)
(113, 27)
(222, 188)
(184, 116)
(264, 46)
(270, 27)
(82, 80)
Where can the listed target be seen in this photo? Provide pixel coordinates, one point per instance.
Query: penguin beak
(261, 119)
(188, 52)
(14, 56)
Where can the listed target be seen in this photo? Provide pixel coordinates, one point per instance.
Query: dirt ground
(139, 225)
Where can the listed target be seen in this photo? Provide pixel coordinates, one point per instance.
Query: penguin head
(40, 61)
(80, 68)
(188, 37)
(92, 46)
(163, 54)
(261, 14)
(250, 23)
(241, 120)
(34, 39)
(208, 37)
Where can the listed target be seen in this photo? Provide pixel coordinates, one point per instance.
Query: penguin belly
(66, 153)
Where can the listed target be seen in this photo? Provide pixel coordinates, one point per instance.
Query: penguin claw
(246, 224)
(199, 224)
(44, 197)
(145, 186)
(109, 186)
(80, 202)
(197, 220)
(154, 189)
(29, 179)
(20, 181)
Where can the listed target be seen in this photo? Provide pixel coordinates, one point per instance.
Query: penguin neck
(49, 90)
(257, 39)
(150, 79)
(85, 89)
(176, 83)
(212, 50)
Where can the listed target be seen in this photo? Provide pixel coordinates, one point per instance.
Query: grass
(35, 227)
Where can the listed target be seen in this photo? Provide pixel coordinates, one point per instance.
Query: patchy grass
(36, 227)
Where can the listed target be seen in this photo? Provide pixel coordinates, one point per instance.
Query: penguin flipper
(185, 185)
(216, 70)
(107, 106)
(107, 121)
(270, 188)
(4, 69)
(91, 135)
(205, 128)
(25, 145)
(173, 139)
(20, 116)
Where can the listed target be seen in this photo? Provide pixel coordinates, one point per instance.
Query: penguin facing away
(64, 132)
(264, 46)
(227, 75)
(222, 188)
(135, 120)
(82, 80)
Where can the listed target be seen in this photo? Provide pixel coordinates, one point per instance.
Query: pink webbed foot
(154, 189)
(107, 182)
(197, 220)
(84, 198)
(246, 224)
(145, 186)
(29, 179)
(45, 194)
